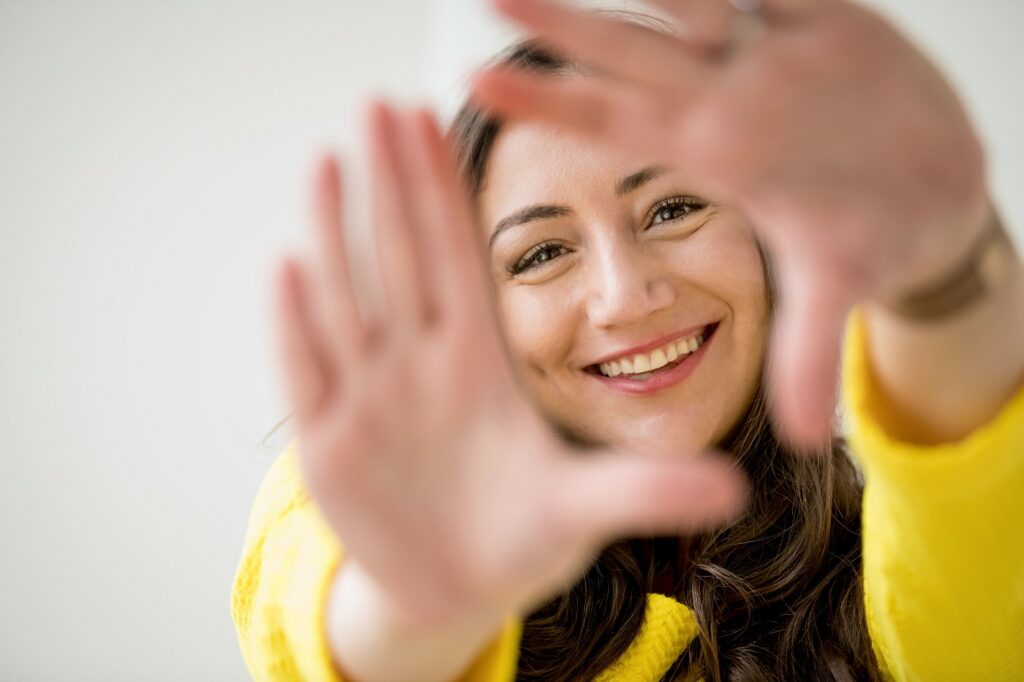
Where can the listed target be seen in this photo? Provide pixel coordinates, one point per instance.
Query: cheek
(740, 282)
(725, 265)
(729, 264)
(537, 327)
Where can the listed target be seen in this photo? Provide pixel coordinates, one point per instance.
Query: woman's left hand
(847, 150)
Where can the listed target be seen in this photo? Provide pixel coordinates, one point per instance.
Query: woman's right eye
(536, 257)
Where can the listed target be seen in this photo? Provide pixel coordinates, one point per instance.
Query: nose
(626, 288)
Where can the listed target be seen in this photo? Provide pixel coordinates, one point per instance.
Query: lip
(664, 380)
(657, 343)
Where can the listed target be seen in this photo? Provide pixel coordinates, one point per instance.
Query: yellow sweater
(943, 553)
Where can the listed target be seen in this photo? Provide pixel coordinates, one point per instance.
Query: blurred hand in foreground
(846, 149)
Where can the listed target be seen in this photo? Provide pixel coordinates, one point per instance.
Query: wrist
(983, 268)
(353, 584)
(373, 636)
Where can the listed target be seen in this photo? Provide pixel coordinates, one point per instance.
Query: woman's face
(598, 257)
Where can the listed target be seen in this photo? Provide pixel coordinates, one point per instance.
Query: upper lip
(651, 345)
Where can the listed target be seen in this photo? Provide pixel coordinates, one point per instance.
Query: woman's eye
(674, 208)
(536, 257)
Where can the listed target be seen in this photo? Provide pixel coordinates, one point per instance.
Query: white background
(154, 161)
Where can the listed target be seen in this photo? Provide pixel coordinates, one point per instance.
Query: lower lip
(661, 380)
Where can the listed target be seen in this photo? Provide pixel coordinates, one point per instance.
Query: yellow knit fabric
(668, 627)
(943, 538)
(942, 549)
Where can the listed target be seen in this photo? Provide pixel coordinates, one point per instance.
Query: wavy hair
(777, 595)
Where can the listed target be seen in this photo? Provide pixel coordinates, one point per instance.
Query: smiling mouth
(642, 366)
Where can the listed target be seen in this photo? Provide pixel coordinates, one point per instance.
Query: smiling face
(605, 266)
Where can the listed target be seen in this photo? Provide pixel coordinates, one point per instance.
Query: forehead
(533, 163)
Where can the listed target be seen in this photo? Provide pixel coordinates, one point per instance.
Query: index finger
(606, 112)
(618, 47)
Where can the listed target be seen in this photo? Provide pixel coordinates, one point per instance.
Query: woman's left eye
(674, 208)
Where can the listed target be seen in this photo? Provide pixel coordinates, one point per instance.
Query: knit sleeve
(281, 586)
(942, 552)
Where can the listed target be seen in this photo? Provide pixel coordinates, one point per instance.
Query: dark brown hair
(777, 595)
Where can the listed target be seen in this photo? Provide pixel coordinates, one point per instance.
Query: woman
(471, 519)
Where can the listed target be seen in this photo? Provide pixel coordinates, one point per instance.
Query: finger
(619, 495)
(341, 312)
(705, 24)
(783, 9)
(449, 224)
(624, 49)
(395, 230)
(709, 23)
(602, 111)
(430, 215)
(805, 355)
(305, 371)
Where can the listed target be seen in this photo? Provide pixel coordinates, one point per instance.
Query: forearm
(371, 640)
(941, 379)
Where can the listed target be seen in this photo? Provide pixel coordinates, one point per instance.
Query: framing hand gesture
(849, 153)
(435, 471)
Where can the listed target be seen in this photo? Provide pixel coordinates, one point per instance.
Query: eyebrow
(536, 212)
(628, 184)
(633, 182)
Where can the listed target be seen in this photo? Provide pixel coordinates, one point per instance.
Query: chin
(671, 439)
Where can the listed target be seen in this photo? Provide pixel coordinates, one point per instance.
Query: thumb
(612, 495)
(803, 367)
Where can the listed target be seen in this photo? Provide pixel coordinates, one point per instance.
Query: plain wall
(154, 161)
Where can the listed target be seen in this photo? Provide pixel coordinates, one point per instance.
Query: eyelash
(692, 203)
(528, 262)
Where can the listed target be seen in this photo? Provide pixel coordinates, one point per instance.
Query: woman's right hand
(438, 475)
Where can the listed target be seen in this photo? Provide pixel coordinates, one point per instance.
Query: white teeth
(643, 363)
(611, 369)
(672, 353)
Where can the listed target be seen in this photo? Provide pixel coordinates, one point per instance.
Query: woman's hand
(437, 474)
(850, 154)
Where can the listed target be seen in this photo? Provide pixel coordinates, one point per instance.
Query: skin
(419, 446)
(416, 442)
(616, 279)
(847, 150)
